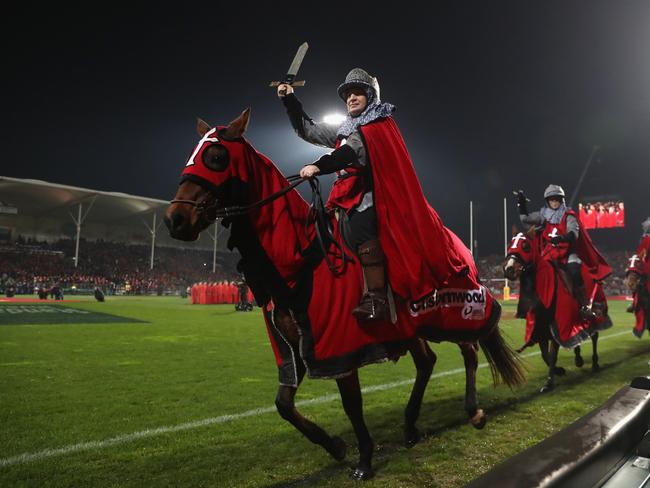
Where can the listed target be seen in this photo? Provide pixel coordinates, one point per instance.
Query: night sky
(491, 96)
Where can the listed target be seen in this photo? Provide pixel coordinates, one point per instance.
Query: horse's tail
(505, 363)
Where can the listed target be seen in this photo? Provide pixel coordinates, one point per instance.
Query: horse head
(215, 177)
(519, 257)
(634, 273)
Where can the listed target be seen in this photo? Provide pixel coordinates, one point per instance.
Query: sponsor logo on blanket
(472, 302)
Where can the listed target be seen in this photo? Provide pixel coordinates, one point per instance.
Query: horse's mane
(281, 226)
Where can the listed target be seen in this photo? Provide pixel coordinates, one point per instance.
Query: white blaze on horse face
(553, 232)
(204, 139)
(633, 260)
(516, 239)
(510, 263)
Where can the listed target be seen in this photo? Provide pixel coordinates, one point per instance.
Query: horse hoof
(361, 474)
(579, 362)
(560, 371)
(595, 368)
(338, 449)
(479, 420)
(411, 436)
(548, 387)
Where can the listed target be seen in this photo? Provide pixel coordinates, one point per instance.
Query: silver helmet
(358, 77)
(645, 225)
(553, 191)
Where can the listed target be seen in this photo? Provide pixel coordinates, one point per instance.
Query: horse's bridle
(209, 203)
(323, 232)
(520, 260)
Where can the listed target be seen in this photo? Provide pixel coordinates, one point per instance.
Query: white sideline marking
(123, 439)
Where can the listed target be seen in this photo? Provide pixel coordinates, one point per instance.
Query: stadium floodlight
(334, 119)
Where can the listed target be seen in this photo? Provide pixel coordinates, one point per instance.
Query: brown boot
(373, 306)
(586, 313)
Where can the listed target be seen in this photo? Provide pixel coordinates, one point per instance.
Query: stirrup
(373, 307)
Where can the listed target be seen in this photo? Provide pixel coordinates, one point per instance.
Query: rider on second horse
(560, 234)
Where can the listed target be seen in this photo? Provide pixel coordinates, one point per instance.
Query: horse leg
(285, 403)
(424, 359)
(552, 361)
(543, 349)
(350, 391)
(578, 357)
(470, 356)
(595, 367)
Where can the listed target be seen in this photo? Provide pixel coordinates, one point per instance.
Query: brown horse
(541, 321)
(248, 184)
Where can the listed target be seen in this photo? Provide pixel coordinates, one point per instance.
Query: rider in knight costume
(352, 191)
(560, 234)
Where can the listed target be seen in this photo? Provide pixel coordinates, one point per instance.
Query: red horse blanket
(333, 342)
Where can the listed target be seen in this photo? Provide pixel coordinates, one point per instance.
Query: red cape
(422, 254)
(591, 258)
(641, 314)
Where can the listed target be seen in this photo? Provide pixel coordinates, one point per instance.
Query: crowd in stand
(124, 268)
(114, 267)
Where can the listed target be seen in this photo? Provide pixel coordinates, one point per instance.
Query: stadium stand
(78, 238)
(116, 268)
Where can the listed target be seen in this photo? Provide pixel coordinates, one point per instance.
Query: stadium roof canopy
(35, 197)
(49, 210)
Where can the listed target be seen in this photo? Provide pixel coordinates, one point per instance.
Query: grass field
(185, 398)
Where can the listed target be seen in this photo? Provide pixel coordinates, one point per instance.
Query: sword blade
(297, 60)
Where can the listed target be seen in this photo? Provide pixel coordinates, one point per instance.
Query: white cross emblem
(553, 232)
(205, 138)
(633, 260)
(516, 239)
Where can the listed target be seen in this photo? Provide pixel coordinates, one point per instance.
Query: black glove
(570, 237)
(338, 159)
(522, 202)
